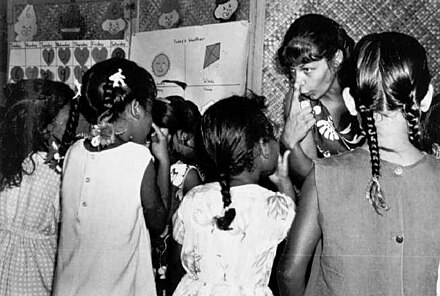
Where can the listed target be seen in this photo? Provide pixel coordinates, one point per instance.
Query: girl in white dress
(229, 229)
(113, 194)
(30, 132)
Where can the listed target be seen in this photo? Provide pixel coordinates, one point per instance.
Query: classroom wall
(420, 18)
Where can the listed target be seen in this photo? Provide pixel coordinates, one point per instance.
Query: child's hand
(159, 143)
(281, 176)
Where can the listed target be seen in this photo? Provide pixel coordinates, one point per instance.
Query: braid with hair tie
(374, 191)
(225, 221)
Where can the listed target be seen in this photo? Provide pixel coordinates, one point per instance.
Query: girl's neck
(244, 178)
(393, 140)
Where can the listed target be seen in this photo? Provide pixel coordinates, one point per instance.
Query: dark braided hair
(310, 38)
(390, 73)
(230, 129)
(31, 105)
(99, 98)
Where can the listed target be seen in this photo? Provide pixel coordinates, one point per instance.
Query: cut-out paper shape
(48, 55)
(26, 27)
(118, 53)
(79, 71)
(64, 54)
(81, 55)
(31, 72)
(160, 65)
(63, 73)
(169, 17)
(99, 54)
(46, 74)
(114, 23)
(212, 54)
(17, 73)
(71, 23)
(225, 10)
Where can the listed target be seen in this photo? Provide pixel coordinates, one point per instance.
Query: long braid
(412, 116)
(374, 191)
(223, 222)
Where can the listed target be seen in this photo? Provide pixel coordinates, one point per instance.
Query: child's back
(229, 230)
(109, 183)
(29, 185)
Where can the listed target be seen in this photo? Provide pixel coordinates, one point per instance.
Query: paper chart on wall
(210, 59)
(60, 60)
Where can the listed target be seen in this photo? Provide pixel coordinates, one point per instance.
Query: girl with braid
(113, 194)
(374, 209)
(229, 229)
(31, 130)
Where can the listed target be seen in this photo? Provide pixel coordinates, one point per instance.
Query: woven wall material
(418, 18)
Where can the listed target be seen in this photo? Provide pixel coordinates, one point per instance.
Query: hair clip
(78, 89)
(118, 79)
(163, 100)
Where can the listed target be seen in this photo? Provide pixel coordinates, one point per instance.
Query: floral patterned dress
(236, 262)
(330, 140)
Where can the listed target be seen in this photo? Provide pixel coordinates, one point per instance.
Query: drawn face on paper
(113, 26)
(169, 20)
(161, 65)
(226, 10)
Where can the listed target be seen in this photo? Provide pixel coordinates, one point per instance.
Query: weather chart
(210, 60)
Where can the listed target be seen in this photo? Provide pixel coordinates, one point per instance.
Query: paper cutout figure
(81, 55)
(169, 17)
(46, 74)
(48, 55)
(64, 54)
(79, 71)
(63, 73)
(225, 10)
(118, 53)
(212, 54)
(26, 27)
(114, 23)
(17, 73)
(71, 23)
(99, 54)
(31, 72)
(160, 65)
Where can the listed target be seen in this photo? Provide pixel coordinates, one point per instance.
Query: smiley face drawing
(160, 65)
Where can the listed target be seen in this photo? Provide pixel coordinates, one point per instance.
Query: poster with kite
(202, 64)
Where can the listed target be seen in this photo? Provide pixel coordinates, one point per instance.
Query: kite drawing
(212, 54)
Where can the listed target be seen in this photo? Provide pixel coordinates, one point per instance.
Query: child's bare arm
(192, 179)
(155, 212)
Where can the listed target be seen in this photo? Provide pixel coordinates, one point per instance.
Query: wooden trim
(257, 12)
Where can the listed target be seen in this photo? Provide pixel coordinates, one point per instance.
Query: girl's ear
(349, 101)
(264, 149)
(338, 58)
(135, 109)
(427, 100)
